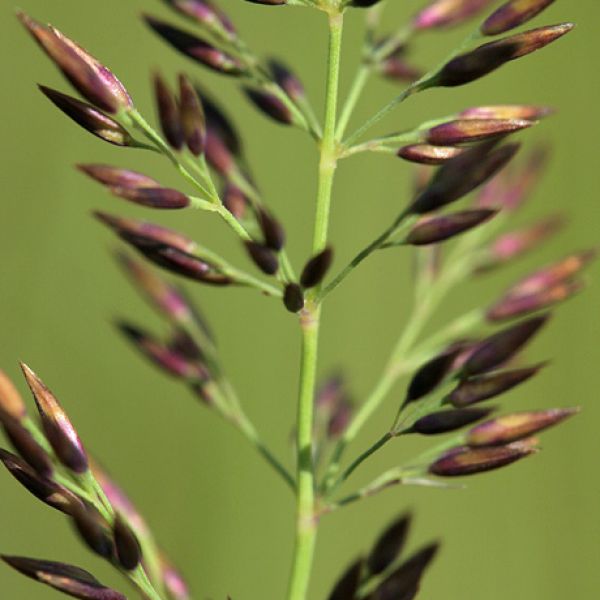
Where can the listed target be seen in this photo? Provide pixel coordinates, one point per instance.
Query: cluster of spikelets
(452, 373)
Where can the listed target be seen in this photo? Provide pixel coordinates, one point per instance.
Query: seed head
(288, 81)
(272, 230)
(446, 13)
(171, 361)
(473, 130)
(90, 118)
(205, 13)
(293, 297)
(43, 489)
(513, 14)
(141, 234)
(389, 545)
(489, 57)
(514, 244)
(440, 228)
(168, 299)
(234, 200)
(404, 582)
(500, 347)
(510, 428)
(477, 389)
(461, 175)
(264, 258)
(135, 187)
(56, 425)
(192, 117)
(464, 460)
(553, 275)
(270, 105)
(28, 448)
(64, 578)
(12, 405)
(94, 530)
(347, 585)
(446, 421)
(196, 48)
(507, 111)
(396, 68)
(89, 77)
(426, 154)
(316, 268)
(168, 113)
(430, 375)
(514, 305)
(127, 546)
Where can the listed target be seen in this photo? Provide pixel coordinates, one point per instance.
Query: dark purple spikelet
(270, 105)
(464, 460)
(430, 375)
(196, 48)
(477, 389)
(513, 14)
(426, 154)
(89, 77)
(166, 298)
(56, 425)
(555, 274)
(43, 489)
(89, 117)
(205, 13)
(316, 268)
(170, 360)
(287, 80)
(502, 346)
(272, 230)
(12, 405)
(340, 418)
(513, 305)
(93, 530)
(293, 297)
(514, 244)
(27, 447)
(447, 13)
(446, 421)
(363, 3)
(473, 130)
(141, 234)
(517, 426)
(523, 112)
(116, 177)
(489, 57)
(440, 228)
(192, 117)
(346, 588)
(234, 200)
(187, 265)
(389, 545)
(127, 546)
(396, 68)
(263, 257)
(463, 174)
(168, 113)
(405, 581)
(164, 198)
(70, 580)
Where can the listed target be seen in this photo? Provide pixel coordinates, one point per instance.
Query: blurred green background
(532, 531)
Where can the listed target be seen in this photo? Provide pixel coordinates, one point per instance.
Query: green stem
(360, 81)
(306, 518)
